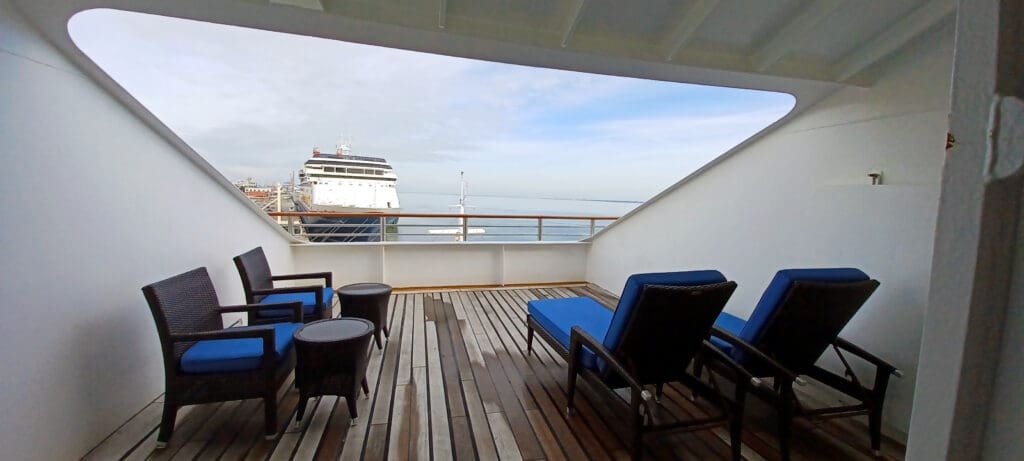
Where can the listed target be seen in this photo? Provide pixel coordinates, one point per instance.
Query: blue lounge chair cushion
(730, 323)
(635, 284)
(238, 354)
(558, 316)
(308, 299)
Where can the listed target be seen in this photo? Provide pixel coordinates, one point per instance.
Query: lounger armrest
(579, 338)
(327, 276)
(777, 368)
(867, 356)
(266, 333)
(736, 368)
(295, 306)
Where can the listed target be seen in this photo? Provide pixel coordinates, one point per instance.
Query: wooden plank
(219, 443)
(440, 434)
(262, 448)
(481, 376)
(419, 442)
(317, 424)
(480, 428)
(504, 441)
(253, 429)
(552, 450)
(452, 358)
(200, 438)
(400, 426)
(147, 446)
(462, 439)
(405, 356)
(126, 437)
(386, 388)
(376, 442)
(182, 433)
(419, 347)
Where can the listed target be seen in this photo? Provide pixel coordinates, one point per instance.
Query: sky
(255, 103)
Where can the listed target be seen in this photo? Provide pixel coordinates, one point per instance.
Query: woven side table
(331, 359)
(367, 301)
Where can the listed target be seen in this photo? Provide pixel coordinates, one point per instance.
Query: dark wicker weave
(186, 310)
(668, 328)
(334, 362)
(806, 324)
(367, 301)
(258, 282)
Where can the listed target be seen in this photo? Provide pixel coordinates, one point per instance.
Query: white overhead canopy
(802, 47)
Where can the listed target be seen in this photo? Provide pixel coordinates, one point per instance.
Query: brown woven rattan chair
(258, 283)
(200, 366)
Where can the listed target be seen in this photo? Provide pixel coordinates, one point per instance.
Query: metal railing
(437, 227)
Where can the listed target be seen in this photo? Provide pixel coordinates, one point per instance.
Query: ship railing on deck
(439, 227)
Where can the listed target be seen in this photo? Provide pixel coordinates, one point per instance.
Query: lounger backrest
(813, 315)
(667, 326)
(255, 273)
(634, 286)
(776, 300)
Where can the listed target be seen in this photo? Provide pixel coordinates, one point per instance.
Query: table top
(364, 289)
(334, 330)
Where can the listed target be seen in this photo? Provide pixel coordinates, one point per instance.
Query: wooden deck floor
(454, 382)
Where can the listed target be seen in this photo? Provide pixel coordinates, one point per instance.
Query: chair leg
(875, 429)
(658, 388)
(570, 390)
(350, 400)
(376, 337)
(270, 415)
(166, 423)
(365, 386)
(736, 435)
(387, 331)
(637, 447)
(785, 423)
(529, 339)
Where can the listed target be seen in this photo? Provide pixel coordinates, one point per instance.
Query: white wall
(445, 264)
(96, 205)
(798, 198)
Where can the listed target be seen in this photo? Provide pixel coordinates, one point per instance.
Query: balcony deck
(454, 382)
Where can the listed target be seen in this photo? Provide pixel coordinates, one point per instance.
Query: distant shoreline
(529, 197)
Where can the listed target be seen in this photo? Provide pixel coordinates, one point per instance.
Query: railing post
(465, 228)
(540, 229)
(383, 229)
(291, 225)
(592, 226)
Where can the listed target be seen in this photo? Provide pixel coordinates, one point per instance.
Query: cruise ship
(346, 183)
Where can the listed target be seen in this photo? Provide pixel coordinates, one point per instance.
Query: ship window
(356, 170)
(329, 169)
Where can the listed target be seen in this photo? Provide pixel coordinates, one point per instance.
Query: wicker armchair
(204, 362)
(258, 283)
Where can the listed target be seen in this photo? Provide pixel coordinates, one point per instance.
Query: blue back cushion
(777, 289)
(635, 284)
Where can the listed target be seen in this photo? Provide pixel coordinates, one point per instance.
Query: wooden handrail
(432, 215)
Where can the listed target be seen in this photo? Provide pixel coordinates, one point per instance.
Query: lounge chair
(258, 283)
(661, 323)
(204, 362)
(801, 314)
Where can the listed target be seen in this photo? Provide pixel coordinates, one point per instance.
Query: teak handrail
(431, 215)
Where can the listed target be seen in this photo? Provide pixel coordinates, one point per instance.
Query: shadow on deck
(453, 382)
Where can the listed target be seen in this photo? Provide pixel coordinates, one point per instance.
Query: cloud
(255, 103)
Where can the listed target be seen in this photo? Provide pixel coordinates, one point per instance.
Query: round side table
(331, 359)
(367, 301)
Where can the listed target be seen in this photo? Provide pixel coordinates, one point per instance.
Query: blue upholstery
(238, 354)
(308, 299)
(558, 316)
(750, 330)
(635, 284)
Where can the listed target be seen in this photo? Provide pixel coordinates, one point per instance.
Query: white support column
(967, 403)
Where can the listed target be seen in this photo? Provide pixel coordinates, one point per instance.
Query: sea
(504, 229)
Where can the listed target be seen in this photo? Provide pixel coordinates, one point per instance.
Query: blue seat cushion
(238, 354)
(558, 316)
(635, 284)
(779, 286)
(730, 323)
(308, 299)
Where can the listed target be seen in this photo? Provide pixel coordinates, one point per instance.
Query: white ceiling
(803, 47)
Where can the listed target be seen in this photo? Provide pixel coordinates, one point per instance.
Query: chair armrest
(777, 367)
(736, 368)
(579, 338)
(867, 356)
(327, 276)
(266, 333)
(295, 306)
